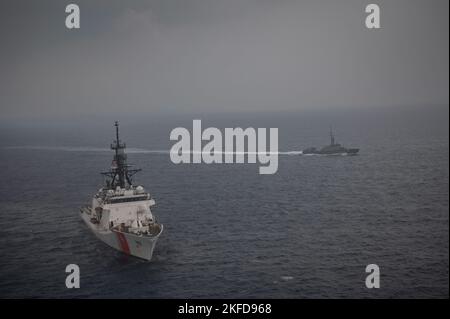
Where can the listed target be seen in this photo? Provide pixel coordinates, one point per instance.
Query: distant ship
(332, 149)
(120, 214)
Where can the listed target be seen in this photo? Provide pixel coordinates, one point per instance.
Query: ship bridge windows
(127, 199)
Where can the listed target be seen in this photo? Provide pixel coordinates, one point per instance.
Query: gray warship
(332, 149)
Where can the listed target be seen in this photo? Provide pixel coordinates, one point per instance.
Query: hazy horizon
(297, 128)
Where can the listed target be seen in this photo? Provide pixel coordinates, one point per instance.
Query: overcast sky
(220, 55)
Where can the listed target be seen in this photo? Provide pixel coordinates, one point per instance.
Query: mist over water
(307, 231)
(297, 130)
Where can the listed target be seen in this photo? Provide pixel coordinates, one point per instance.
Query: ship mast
(119, 173)
(331, 136)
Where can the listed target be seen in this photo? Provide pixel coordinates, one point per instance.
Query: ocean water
(307, 231)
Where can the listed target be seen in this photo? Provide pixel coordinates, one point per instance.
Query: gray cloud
(207, 56)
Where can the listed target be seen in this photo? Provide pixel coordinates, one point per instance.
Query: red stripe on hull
(123, 243)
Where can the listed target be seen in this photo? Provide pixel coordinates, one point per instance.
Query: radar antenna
(120, 173)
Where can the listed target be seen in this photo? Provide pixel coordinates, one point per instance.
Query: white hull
(131, 244)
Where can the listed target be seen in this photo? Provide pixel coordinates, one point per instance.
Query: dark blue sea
(307, 231)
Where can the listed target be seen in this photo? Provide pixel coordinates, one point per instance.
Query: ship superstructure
(120, 213)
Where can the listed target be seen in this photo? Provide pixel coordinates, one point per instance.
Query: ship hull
(343, 151)
(130, 244)
(352, 151)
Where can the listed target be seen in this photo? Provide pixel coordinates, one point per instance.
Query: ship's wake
(131, 150)
(154, 151)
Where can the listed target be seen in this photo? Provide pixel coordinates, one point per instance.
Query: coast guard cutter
(120, 213)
